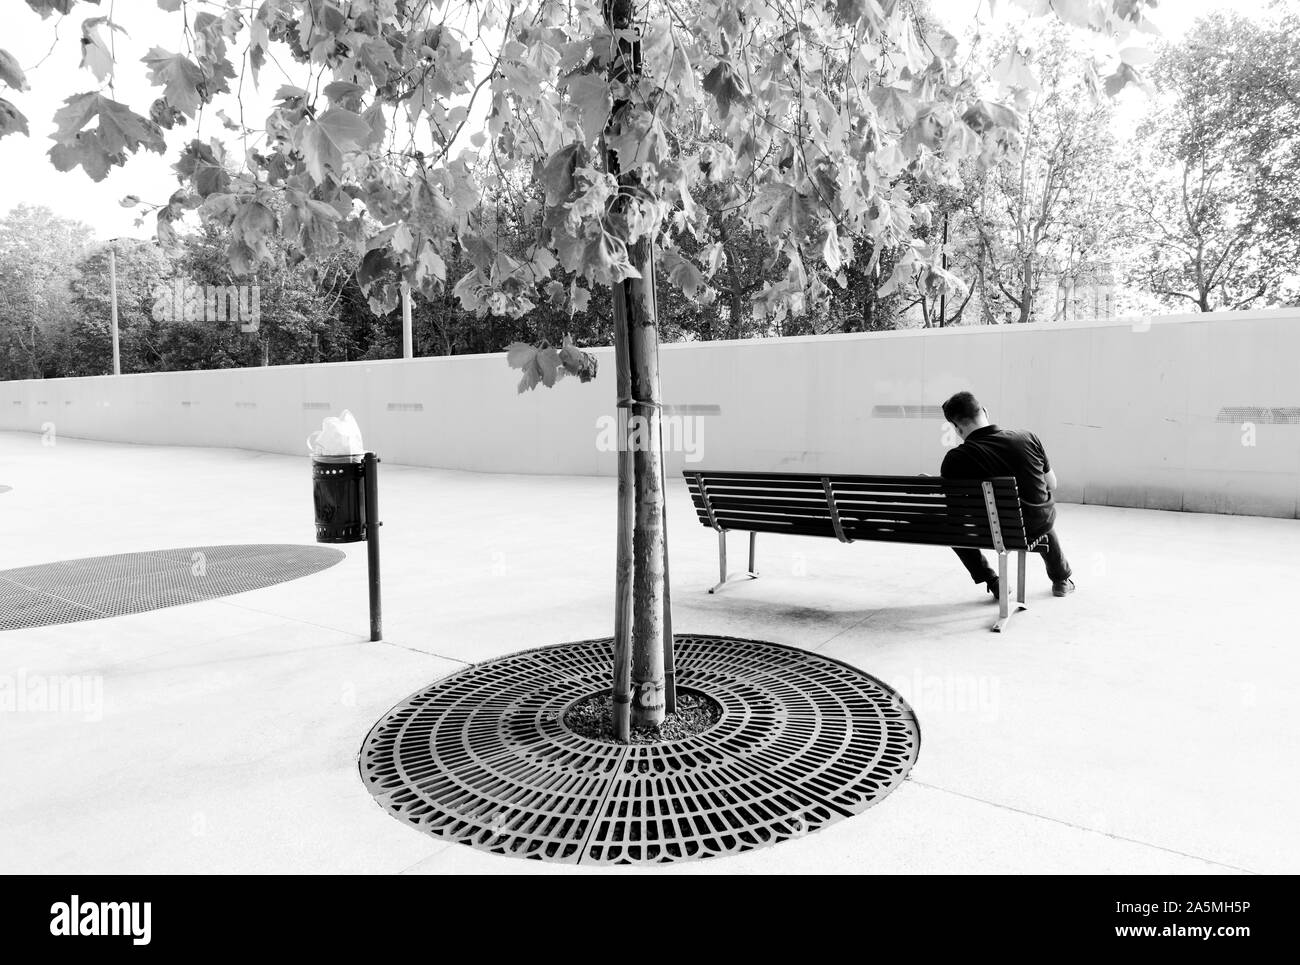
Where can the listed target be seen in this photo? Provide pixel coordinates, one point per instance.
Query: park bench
(982, 514)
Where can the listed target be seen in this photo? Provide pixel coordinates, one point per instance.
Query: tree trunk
(1027, 291)
(635, 318)
(648, 702)
(623, 567)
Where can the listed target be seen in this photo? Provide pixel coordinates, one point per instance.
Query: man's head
(965, 413)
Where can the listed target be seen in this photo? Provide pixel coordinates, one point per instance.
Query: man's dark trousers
(1058, 567)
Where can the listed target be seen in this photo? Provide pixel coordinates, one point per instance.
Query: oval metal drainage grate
(483, 758)
(107, 586)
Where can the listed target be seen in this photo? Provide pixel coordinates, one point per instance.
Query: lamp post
(112, 301)
(407, 340)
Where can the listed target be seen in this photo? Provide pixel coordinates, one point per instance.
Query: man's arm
(1049, 475)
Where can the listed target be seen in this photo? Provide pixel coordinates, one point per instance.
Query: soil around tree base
(593, 718)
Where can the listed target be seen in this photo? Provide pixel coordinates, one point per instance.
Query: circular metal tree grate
(106, 586)
(483, 757)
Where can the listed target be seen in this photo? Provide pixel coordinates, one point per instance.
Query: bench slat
(836, 477)
(938, 500)
(875, 510)
(973, 536)
(915, 509)
(919, 484)
(973, 541)
(819, 507)
(737, 519)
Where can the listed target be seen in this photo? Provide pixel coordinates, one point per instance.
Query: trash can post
(345, 490)
(372, 543)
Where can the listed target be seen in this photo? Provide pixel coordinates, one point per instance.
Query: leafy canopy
(425, 120)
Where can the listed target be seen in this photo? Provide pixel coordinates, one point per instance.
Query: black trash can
(337, 483)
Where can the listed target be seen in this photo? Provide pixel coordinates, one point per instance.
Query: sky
(52, 71)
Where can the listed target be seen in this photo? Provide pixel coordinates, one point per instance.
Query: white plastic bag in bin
(337, 436)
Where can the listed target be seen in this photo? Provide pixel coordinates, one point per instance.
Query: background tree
(1041, 219)
(37, 252)
(143, 344)
(1213, 200)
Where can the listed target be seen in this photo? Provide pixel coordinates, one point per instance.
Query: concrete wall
(1157, 414)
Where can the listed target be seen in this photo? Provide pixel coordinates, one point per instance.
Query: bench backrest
(901, 509)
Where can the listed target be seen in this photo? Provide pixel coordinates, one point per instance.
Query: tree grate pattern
(106, 586)
(483, 758)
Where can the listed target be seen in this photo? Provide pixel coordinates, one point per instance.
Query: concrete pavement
(1146, 724)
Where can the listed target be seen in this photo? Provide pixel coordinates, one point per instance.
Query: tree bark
(648, 703)
(635, 314)
(623, 567)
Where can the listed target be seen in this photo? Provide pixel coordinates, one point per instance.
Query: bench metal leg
(722, 560)
(1020, 578)
(1005, 610)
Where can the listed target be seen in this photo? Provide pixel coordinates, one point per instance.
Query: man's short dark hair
(962, 407)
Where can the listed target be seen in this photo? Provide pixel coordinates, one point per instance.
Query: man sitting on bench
(987, 451)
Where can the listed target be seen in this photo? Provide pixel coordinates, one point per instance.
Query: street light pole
(943, 294)
(407, 340)
(112, 296)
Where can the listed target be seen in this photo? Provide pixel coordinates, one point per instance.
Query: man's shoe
(993, 586)
(1063, 587)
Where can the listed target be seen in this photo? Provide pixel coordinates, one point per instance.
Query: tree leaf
(557, 173)
(784, 208)
(119, 130)
(11, 73)
(1014, 72)
(313, 224)
(326, 139)
(179, 77)
(521, 355)
(548, 360)
(577, 362)
(831, 253)
(726, 86)
(682, 272)
(12, 119)
(46, 7)
(901, 275)
(589, 94)
(1137, 56)
(95, 52)
(430, 265)
(896, 106)
(253, 227)
(204, 166)
(578, 299)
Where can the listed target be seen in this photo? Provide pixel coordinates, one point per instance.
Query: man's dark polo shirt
(990, 451)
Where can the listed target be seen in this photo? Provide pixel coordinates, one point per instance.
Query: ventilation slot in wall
(315, 405)
(689, 409)
(406, 407)
(1238, 414)
(906, 412)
